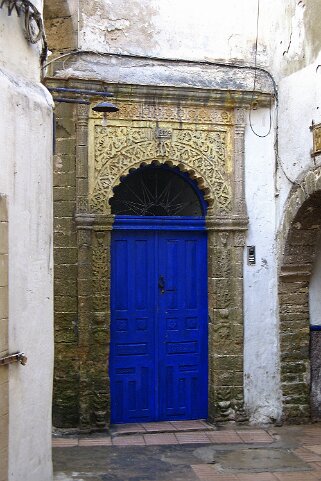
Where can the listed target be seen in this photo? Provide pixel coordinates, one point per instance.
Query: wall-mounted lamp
(105, 108)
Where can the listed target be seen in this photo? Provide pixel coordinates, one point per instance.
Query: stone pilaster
(239, 173)
(225, 270)
(101, 322)
(84, 241)
(85, 343)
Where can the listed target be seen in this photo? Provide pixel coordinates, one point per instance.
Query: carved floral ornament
(203, 150)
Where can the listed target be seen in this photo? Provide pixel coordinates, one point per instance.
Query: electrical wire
(276, 143)
(255, 78)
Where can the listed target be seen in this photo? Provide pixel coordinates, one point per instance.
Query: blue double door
(158, 350)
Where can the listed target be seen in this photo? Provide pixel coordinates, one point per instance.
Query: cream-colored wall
(25, 180)
(180, 29)
(16, 54)
(4, 387)
(209, 30)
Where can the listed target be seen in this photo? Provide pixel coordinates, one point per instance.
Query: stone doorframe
(299, 237)
(202, 133)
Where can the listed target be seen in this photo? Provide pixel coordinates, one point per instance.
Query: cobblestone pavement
(190, 451)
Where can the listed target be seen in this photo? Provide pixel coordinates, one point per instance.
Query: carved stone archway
(299, 238)
(207, 142)
(201, 133)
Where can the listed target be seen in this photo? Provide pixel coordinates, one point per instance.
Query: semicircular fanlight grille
(156, 191)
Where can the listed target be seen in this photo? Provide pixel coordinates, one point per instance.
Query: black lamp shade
(105, 107)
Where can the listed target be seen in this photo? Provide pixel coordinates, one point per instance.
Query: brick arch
(300, 235)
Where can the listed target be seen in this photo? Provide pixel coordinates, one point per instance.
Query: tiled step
(164, 427)
(148, 438)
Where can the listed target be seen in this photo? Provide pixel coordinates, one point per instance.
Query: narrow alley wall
(26, 181)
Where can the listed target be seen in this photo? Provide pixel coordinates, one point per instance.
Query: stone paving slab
(183, 432)
(257, 436)
(94, 442)
(290, 453)
(133, 440)
(316, 448)
(222, 437)
(160, 438)
(164, 426)
(192, 438)
(225, 437)
(306, 455)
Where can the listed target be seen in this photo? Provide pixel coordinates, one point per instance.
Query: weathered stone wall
(67, 355)
(294, 346)
(61, 23)
(301, 236)
(226, 341)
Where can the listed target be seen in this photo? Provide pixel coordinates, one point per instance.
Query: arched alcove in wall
(299, 338)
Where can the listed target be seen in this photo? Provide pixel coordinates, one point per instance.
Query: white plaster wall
(16, 54)
(25, 166)
(299, 105)
(261, 355)
(294, 61)
(209, 30)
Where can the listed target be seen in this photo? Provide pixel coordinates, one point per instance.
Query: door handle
(161, 284)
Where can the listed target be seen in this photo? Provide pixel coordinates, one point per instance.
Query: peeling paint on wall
(115, 26)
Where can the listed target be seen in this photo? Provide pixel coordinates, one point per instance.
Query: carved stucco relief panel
(204, 151)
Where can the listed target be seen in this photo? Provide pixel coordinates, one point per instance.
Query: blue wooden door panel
(132, 356)
(182, 326)
(158, 358)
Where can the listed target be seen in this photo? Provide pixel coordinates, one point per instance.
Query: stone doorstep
(161, 427)
(150, 437)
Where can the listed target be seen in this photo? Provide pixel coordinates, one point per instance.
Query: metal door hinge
(18, 357)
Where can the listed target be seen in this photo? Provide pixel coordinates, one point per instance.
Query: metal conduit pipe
(80, 91)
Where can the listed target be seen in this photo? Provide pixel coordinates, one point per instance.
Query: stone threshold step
(160, 427)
